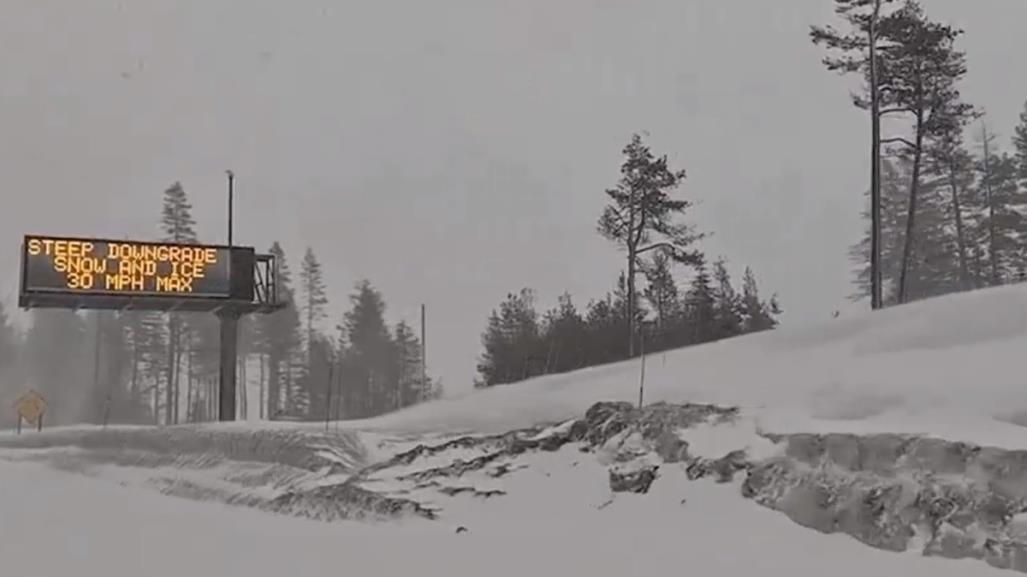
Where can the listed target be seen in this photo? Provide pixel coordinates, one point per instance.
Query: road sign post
(30, 406)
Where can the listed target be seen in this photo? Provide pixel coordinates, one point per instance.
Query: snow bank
(57, 524)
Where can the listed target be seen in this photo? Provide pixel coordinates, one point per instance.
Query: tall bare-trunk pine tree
(923, 69)
(857, 51)
(179, 227)
(953, 164)
(641, 217)
(315, 297)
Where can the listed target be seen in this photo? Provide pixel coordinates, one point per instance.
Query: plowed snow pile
(883, 444)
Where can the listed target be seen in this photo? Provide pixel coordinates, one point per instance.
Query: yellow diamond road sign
(30, 406)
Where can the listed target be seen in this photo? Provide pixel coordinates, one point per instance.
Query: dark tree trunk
(914, 189)
(964, 274)
(875, 167)
(992, 244)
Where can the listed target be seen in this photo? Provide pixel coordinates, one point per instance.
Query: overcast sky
(456, 150)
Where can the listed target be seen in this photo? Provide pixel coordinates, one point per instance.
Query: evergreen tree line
(971, 222)
(644, 219)
(162, 368)
(952, 212)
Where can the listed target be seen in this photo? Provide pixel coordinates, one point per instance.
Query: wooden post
(106, 411)
(641, 380)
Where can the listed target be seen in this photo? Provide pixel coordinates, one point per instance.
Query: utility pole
(875, 166)
(424, 359)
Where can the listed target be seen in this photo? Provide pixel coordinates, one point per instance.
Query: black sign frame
(239, 290)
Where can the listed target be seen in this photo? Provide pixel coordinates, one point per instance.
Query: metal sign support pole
(229, 327)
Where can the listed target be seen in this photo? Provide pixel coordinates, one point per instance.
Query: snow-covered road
(55, 524)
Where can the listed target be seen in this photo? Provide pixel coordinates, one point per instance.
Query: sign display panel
(126, 268)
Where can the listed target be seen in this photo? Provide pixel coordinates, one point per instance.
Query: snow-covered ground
(54, 524)
(947, 368)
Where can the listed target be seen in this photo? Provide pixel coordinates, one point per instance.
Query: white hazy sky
(456, 150)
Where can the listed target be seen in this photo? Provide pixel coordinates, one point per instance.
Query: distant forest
(162, 368)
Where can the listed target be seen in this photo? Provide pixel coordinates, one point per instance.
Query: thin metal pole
(231, 194)
(424, 359)
(328, 394)
(229, 337)
(338, 395)
(641, 379)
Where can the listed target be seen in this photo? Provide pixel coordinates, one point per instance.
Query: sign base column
(229, 328)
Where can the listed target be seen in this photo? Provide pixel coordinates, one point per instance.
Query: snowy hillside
(826, 449)
(950, 367)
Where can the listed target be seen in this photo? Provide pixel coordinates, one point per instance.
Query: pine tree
(935, 252)
(700, 307)
(178, 226)
(407, 365)
(642, 216)
(314, 293)
(565, 335)
(514, 349)
(435, 391)
(933, 256)
(1002, 218)
(147, 344)
(921, 73)
(177, 222)
(758, 315)
(858, 51)
(952, 166)
(248, 346)
(1020, 146)
(860, 253)
(369, 354)
(10, 348)
(727, 304)
(311, 397)
(662, 291)
(494, 364)
(604, 324)
(202, 343)
(279, 339)
(314, 300)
